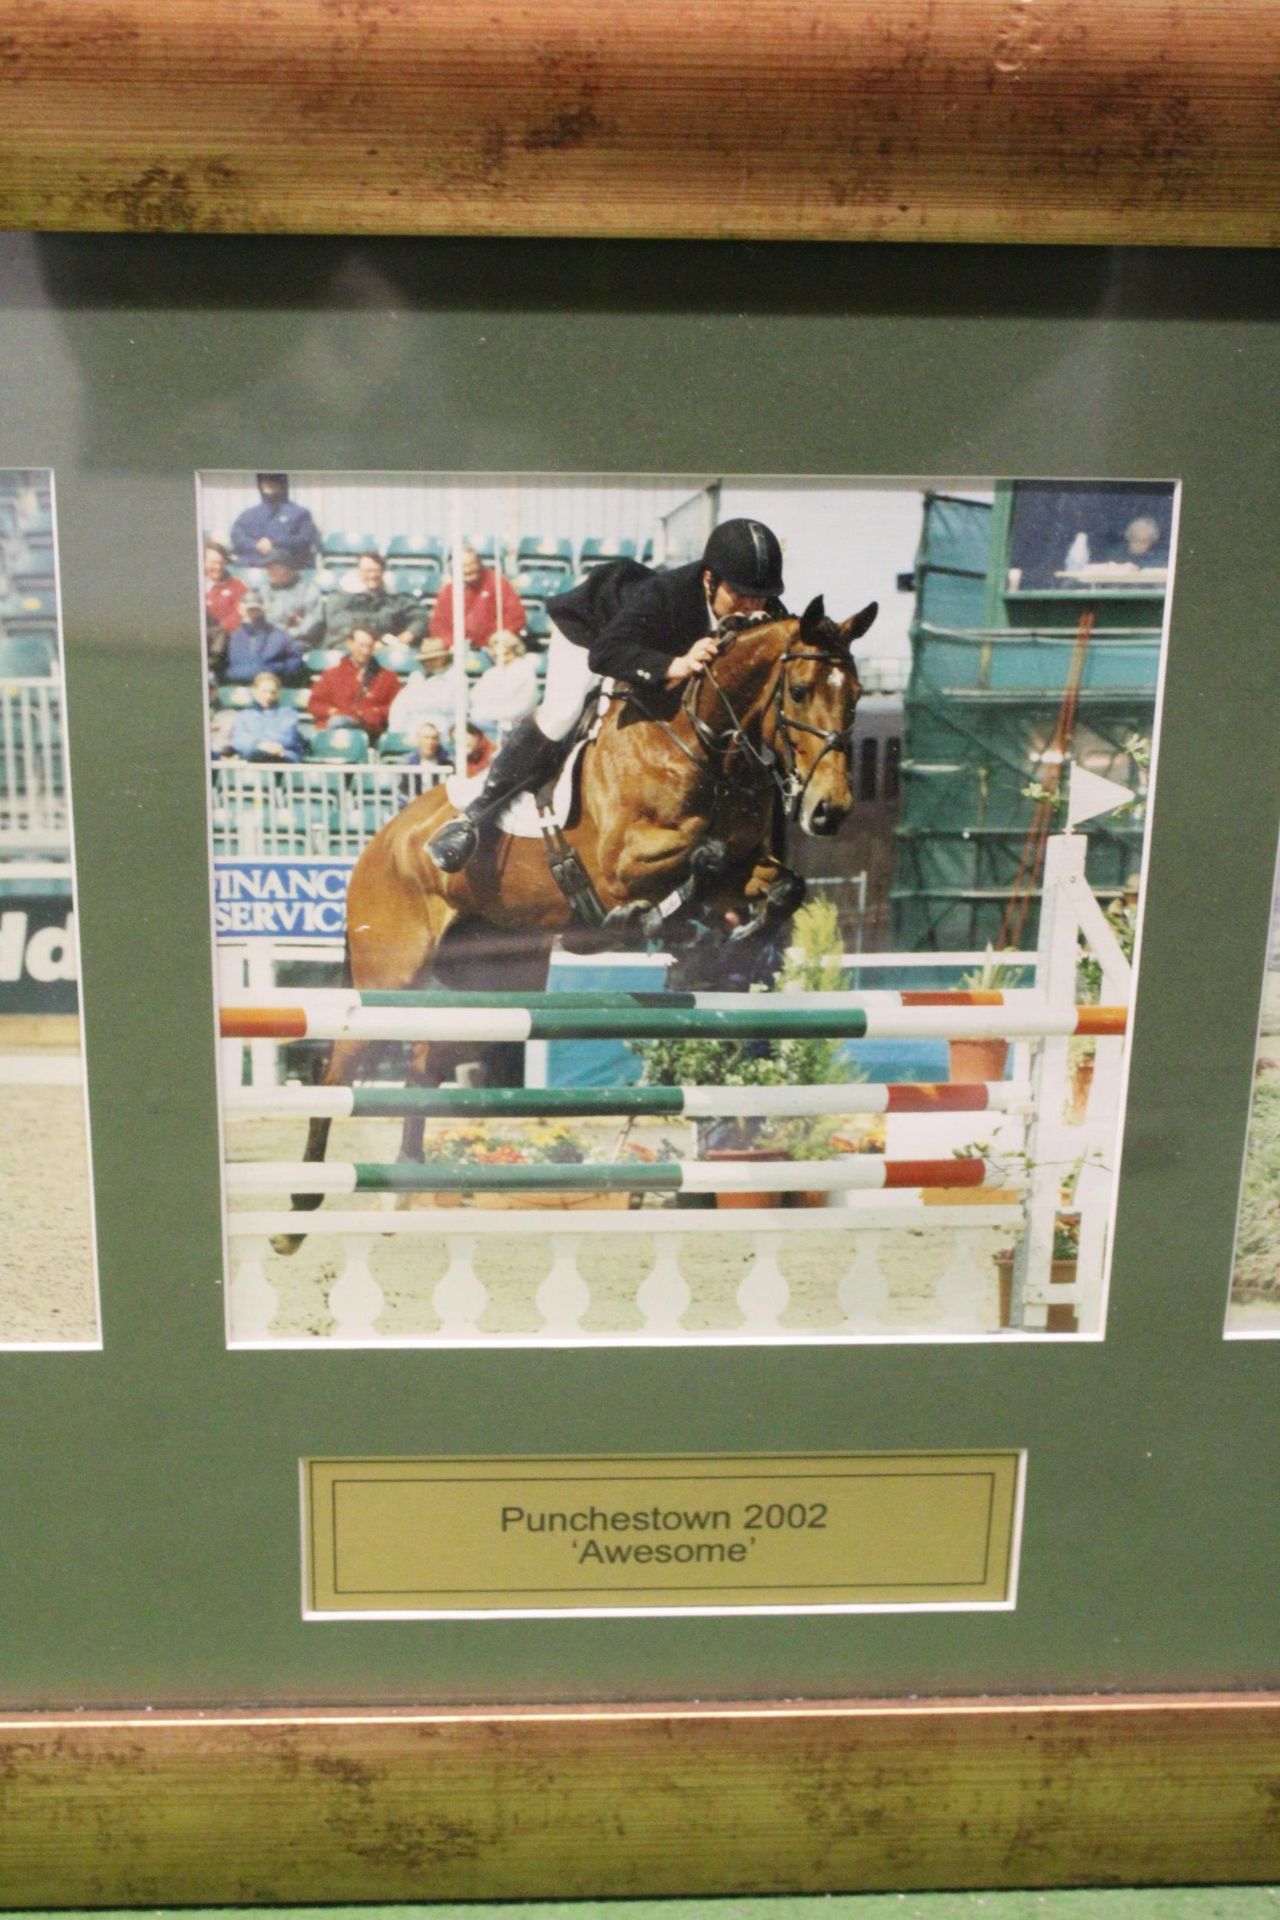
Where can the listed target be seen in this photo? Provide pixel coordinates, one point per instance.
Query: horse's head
(813, 706)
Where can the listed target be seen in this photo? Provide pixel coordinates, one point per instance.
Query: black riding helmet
(747, 556)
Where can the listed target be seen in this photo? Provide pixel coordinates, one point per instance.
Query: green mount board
(150, 1541)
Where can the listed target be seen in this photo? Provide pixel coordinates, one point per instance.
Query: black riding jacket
(633, 621)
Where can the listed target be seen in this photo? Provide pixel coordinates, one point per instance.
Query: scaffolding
(1017, 670)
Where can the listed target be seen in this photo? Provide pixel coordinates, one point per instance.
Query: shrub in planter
(814, 965)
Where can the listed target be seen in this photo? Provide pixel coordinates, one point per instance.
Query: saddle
(546, 812)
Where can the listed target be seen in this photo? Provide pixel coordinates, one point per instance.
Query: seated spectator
(293, 604)
(276, 521)
(508, 690)
(479, 749)
(433, 693)
(490, 604)
(397, 615)
(221, 722)
(215, 647)
(258, 647)
(357, 689)
(1144, 545)
(429, 749)
(266, 730)
(223, 593)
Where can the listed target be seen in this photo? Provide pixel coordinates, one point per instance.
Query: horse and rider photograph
(693, 908)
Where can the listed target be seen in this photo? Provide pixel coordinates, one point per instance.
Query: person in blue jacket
(266, 730)
(257, 647)
(276, 521)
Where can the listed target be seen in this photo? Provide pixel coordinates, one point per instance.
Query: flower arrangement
(541, 1143)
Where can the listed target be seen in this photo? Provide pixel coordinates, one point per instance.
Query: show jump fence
(1025, 1191)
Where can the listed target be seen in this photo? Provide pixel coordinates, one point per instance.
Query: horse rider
(624, 622)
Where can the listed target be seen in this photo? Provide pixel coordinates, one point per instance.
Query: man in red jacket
(357, 689)
(489, 603)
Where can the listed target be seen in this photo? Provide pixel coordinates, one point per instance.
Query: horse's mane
(823, 636)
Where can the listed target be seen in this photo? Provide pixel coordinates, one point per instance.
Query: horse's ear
(858, 623)
(814, 615)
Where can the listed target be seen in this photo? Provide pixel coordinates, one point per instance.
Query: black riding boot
(526, 759)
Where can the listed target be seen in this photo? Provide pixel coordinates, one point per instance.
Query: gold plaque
(698, 1533)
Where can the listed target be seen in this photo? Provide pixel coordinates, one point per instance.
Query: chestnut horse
(676, 801)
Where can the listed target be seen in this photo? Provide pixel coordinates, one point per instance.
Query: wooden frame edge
(974, 120)
(175, 1809)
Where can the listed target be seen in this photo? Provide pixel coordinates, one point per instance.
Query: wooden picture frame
(977, 120)
(973, 120)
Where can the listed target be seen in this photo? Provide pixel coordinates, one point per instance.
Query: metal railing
(34, 814)
(334, 811)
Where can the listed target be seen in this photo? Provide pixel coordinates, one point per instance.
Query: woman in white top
(508, 690)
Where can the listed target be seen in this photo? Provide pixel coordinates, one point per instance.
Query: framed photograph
(48, 1277)
(900, 823)
(470, 1550)
(1255, 1272)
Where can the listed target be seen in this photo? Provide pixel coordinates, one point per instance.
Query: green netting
(987, 678)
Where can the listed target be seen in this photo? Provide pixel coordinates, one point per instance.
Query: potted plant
(981, 1060)
(1062, 1272)
(1122, 916)
(814, 964)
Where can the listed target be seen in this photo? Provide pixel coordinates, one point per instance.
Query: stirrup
(453, 844)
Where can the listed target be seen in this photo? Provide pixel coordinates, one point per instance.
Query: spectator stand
(348, 785)
(34, 818)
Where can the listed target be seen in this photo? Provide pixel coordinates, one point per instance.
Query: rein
(719, 744)
(790, 787)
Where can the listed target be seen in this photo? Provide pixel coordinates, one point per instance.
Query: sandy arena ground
(1252, 1310)
(513, 1266)
(46, 1250)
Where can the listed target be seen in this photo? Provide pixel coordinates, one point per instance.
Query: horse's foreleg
(657, 871)
(774, 893)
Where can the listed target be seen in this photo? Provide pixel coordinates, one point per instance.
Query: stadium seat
(419, 579)
(646, 557)
(26, 656)
(345, 545)
(31, 572)
(555, 555)
(36, 526)
(540, 582)
(597, 551)
(33, 612)
(417, 550)
(395, 746)
(399, 658)
(295, 697)
(481, 544)
(537, 624)
(235, 697)
(345, 744)
(321, 658)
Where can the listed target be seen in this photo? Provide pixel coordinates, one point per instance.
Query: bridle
(781, 768)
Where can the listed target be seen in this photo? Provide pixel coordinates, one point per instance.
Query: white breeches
(568, 684)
